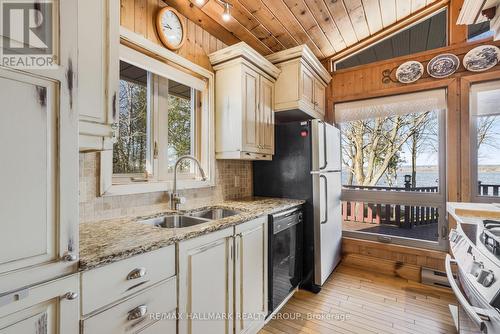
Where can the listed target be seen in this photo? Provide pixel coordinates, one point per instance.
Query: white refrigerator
(326, 180)
(307, 165)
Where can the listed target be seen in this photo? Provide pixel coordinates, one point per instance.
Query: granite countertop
(117, 239)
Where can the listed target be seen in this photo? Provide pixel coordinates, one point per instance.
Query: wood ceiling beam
(457, 33)
(213, 9)
(415, 17)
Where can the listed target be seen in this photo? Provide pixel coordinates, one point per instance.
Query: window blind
(485, 98)
(391, 105)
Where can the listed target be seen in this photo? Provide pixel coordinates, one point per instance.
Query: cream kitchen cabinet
(224, 275)
(39, 190)
(244, 103)
(250, 275)
(134, 295)
(301, 85)
(206, 283)
(98, 71)
(50, 308)
(150, 311)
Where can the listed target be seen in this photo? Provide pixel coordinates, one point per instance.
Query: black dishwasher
(285, 255)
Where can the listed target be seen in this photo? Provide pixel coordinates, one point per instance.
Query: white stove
(475, 245)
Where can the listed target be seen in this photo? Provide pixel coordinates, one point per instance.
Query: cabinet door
(307, 86)
(37, 227)
(250, 97)
(250, 275)
(49, 308)
(319, 97)
(206, 284)
(98, 67)
(266, 104)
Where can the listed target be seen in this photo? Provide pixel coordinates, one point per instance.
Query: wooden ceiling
(326, 26)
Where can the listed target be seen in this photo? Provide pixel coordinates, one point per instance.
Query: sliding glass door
(393, 175)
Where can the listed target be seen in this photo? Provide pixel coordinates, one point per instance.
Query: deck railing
(377, 213)
(488, 189)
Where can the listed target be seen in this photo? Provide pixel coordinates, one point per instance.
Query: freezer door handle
(325, 150)
(326, 198)
(314, 172)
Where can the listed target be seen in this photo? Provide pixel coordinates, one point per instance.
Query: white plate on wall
(481, 58)
(443, 65)
(409, 71)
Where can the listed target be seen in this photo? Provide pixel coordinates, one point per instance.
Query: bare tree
(372, 148)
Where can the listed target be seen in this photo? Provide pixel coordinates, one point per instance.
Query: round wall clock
(170, 28)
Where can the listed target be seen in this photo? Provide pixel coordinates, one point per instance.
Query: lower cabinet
(49, 308)
(206, 283)
(223, 280)
(250, 276)
(150, 311)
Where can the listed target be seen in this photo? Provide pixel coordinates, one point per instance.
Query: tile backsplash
(233, 180)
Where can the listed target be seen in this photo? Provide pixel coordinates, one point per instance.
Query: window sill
(149, 187)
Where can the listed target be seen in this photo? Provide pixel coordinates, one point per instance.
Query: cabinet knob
(136, 273)
(69, 257)
(70, 295)
(137, 313)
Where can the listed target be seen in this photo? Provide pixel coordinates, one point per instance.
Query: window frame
(140, 52)
(402, 198)
(474, 166)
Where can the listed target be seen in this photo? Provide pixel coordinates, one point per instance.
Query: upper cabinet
(98, 71)
(300, 88)
(244, 103)
(38, 126)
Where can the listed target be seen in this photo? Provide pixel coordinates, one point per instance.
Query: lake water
(430, 179)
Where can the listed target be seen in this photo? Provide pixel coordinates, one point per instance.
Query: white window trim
(206, 83)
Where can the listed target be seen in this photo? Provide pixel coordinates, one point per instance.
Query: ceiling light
(200, 2)
(226, 15)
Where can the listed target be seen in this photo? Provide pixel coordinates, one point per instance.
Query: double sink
(190, 218)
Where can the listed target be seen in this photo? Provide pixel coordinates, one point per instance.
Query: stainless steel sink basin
(174, 221)
(214, 213)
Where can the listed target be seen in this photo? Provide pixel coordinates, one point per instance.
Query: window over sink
(163, 113)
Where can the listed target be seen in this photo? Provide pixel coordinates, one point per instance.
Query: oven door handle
(471, 310)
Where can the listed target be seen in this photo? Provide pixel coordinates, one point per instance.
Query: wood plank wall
(365, 81)
(140, 16)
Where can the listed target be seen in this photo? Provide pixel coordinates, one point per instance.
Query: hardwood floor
(357, 301)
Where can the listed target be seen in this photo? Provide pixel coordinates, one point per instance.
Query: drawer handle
(136, 273)
(70, 295)
(137, 313)
(69, 257)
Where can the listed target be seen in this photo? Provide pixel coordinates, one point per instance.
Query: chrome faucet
(175, 199)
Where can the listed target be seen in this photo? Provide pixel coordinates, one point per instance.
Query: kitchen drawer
(157, 300)
(114, 281)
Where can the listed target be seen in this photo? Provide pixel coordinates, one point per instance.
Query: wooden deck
(357, 301)
(423, 232)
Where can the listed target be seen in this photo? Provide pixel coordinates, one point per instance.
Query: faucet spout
(175, 200)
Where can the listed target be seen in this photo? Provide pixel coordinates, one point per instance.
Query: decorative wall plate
(443, 65)
(409, 71)
(482, 58)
